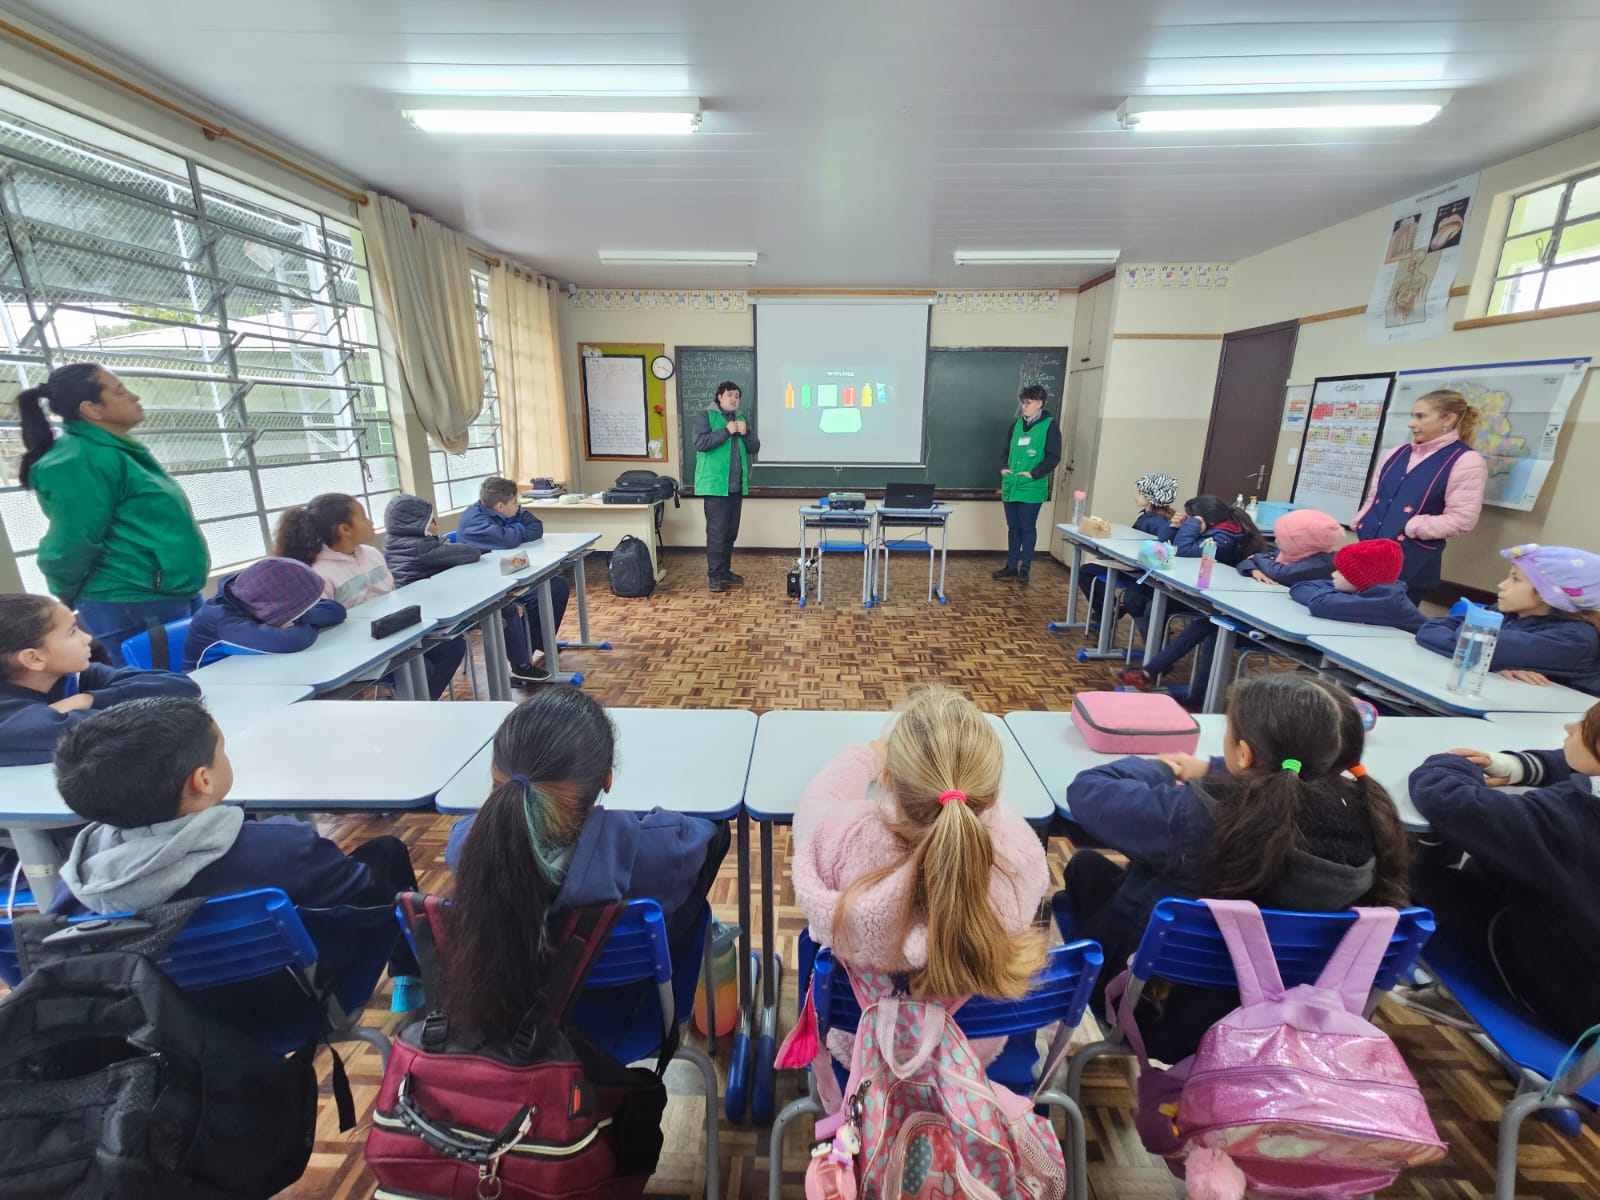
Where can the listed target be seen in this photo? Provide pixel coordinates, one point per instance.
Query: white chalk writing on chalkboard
(618, 414)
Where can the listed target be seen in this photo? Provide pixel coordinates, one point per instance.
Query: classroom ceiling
(859, 144)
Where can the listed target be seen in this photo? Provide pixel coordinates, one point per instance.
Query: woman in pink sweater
(908, 864)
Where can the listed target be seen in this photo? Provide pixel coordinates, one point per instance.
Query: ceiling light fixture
(1296, 110)
(688, 258)
(1036, 258)
(561, 115)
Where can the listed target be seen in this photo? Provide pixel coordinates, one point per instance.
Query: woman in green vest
(724, 446)
(1033, 448)
(123, 548)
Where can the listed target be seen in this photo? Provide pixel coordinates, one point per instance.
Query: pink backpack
(920, 1119)
(1294, 1093)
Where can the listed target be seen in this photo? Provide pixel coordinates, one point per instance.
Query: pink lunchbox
(1134, 723)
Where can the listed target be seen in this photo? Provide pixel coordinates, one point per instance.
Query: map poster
(1522, 408)
(1341, 437)
(1419, 262)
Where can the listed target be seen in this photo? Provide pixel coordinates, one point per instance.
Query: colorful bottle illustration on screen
(866, 395)
(788, 396)
(850, 397)
(805, 395)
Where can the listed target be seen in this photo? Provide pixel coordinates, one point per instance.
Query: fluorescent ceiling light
(697, 258)
(1298, 110)
(598, 115)
(1053, 258)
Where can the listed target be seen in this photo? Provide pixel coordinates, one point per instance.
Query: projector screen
(840, 383)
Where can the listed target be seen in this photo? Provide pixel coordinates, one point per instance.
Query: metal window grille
(1550, 256)
(456, 476)
(243, 320)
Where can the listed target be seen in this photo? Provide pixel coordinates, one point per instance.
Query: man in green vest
(1033, 448)
(723, 447)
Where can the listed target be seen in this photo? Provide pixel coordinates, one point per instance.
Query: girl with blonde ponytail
(909, 865)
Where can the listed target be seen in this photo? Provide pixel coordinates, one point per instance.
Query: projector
(847, 501)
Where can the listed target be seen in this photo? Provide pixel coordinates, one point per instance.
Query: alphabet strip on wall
(646, 300)
(1168, 276)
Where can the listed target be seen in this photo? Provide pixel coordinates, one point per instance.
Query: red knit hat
(1366, 564)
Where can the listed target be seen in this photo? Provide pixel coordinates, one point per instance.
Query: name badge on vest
(1023, 441)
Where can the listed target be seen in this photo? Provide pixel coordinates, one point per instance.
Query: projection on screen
(840, 383)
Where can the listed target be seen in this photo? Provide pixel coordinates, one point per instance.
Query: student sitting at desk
(48, 684)
(1283, 826)
(1156, 494)
(498, 522)
(907, 862)
(1551, 603)
(1365, 588)
(1306, 541)
(1526, 902)
(273, 606)
(542, 846)
(333, 535)
(150, 776)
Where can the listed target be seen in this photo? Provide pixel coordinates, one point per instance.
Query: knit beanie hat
(1302, 532)
(277, 591)
(1367, 564)
(1161, 490)
(1567, 580)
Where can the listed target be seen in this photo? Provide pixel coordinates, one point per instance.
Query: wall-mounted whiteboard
(616, 409)
(1340, 443)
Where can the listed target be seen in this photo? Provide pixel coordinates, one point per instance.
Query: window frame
(1548, 253)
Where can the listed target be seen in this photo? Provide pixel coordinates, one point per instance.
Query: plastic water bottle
(1474, 651)
(724, 980)
(1208, 559)
(1253, 509)
(1080, 506)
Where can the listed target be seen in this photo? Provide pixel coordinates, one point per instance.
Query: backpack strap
(1254, 964)
(160, 648)
(46, 938)
(933, 1024)
(579, 941)
(1358, 957)
(423, 917)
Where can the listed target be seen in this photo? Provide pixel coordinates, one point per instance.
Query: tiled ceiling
(859, 144)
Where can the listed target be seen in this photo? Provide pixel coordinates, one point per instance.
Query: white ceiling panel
(861, 143)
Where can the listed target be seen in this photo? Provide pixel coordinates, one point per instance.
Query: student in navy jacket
(1156, 494)
(1551, 602)
(48, 684)
(273, 606)
(1282, 827)
(498, 522)
(150, 777)
(1236, 537)
(1306, 541)
(1365, 588)
(540, 847)
(411, 547)
(1526, 901)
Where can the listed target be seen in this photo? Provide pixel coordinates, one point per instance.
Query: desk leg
(763, 1083)
(1156, 630)
(802, 561)
(41, 862)
(581, 591)
(1071, 621)
(496, 667)
(944, 545)
(737, 1092)
(411, 680)
(547, 628)
(1221, 664)
(1108, 620)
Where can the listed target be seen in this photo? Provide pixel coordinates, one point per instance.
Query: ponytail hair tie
(1358, 771)
(1292, 764)
(521, 780)
(953, 794)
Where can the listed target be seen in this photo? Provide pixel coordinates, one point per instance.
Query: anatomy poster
(1418, 266)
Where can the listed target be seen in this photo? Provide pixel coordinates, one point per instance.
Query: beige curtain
(427, 322)
(527, 369)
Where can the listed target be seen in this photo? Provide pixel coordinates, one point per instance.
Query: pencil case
(1134, 723)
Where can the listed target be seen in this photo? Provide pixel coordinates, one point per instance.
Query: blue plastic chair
(1059, 996)
(451, 537)
(1182, 944)
(1536, 1059)
(137, 651)
(258, 936)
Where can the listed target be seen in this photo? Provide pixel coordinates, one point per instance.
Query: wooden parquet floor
(753, 648)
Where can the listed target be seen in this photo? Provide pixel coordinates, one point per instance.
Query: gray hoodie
(113, 870)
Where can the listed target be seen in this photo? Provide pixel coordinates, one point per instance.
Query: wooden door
(1247, 410)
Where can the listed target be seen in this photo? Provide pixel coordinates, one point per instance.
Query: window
(1551, 254)
(456, 476)
(243, 320)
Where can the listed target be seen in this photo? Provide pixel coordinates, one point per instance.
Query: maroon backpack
(544, 1115)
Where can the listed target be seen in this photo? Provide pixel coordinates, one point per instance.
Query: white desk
(823, 518)
(1121, 545)
(691, 761)
(609, 522)
(546, 557)
(1530, 731)
(1393, 749)
(937, 516)
(1420, 675)
(30, 805)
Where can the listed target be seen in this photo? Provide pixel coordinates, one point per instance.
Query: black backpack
(631, 572)
(114, 1086)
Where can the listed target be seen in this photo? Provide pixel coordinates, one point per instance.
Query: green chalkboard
(972, 394)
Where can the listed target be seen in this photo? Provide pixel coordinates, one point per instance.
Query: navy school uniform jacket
(224, 619)
(1155, 525)
(481, 526)
(1315, 566)
(1230, 540)
(1381, 604)
(30, 728)
(413, 553)
(1565, 649)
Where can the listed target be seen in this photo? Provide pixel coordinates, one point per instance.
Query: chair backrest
(1060, 992)
(450, 537)
(138, 652)
(1182, 943)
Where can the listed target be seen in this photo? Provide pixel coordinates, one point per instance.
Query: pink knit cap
(1302, 532)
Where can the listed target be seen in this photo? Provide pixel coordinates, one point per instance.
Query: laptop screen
(908, 495)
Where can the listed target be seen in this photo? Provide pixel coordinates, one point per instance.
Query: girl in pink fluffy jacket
(907, 863)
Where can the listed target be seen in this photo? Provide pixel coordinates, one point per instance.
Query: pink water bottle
(1208, 559)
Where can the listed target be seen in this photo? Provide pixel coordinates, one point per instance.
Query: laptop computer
(908, 495)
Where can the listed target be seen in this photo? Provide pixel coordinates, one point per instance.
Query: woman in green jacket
(123, 548)
(1033, 450)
